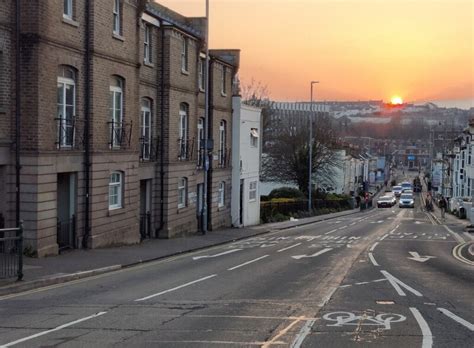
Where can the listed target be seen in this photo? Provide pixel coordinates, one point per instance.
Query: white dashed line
(332, 231)
(176, 288)
(384, 236)
(425, 329)
(373, 246)
(248, 262)
(288, 248)
(372, 259)
(39, 334)
(397, 284)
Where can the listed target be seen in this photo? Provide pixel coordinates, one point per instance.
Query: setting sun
(396, 100)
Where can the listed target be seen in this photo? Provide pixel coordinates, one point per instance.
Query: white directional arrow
(320, 252)
(417, 257)
(216, 255)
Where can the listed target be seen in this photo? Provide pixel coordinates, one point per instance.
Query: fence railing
(185, 149)
(120, 134)
(66, 233)
(11, 252)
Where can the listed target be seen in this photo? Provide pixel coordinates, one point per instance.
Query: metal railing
(224, 156)
(69, 133)
(120, 134)
(185, 149)
(11, 252)
(66, 233)
(149, 149)
(145, 225)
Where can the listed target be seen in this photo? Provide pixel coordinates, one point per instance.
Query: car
(385, 202)
(407, 191)
(397, 190)
(406, 201)
(406, 185)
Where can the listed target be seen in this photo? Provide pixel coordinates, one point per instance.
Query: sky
(358, 49)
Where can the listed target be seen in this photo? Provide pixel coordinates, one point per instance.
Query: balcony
(70, 133)
(120, 134)
(224, 158)
(185, 149)
(149, 149)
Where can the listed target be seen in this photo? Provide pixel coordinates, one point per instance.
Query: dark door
(145, 215)
(241, 203)
(200, 206)
(66, 207)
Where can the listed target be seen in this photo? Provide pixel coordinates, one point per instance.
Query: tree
(255, 93)
(285, 157)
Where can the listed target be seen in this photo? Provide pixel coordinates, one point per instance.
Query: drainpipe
(17, 111)
(162, 133)
(210, 133)
(87, 95)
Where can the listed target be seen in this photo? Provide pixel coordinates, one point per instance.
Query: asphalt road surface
(384, 278)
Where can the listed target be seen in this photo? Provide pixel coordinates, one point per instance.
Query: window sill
(115, 211)
(185, 72)
(148, 64)
(181, 209)
(223, 94)
(70, 21)
(118, 37)
(221, 208)
(202, 90)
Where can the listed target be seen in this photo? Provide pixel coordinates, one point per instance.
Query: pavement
(380, 278)
(77, 264)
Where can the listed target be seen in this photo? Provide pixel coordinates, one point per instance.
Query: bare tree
(285, 157)
(255, 94)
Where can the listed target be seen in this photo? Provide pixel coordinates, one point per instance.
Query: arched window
(116, 111)
(145, 129)
(200, 142)
(222, 143)
(66, 110)
(183, 131)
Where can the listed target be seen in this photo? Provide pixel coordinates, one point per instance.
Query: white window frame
(68, 10)
(116, 92)
(253, 191)
(221, 194)
(115, 189)
(224, 81)
(145, 128)
(185, 55)
(201, 77)
(63, 125)
(183, 131)
(182, 192)
(222, 142)
(147, 54)
(117, 18)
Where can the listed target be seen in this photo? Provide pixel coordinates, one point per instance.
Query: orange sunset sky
(358, 49)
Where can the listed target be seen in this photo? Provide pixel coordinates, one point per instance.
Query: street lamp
(310, 159)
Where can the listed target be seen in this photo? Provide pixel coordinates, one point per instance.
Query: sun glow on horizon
(396, 100)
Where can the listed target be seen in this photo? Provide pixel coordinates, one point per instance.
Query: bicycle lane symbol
(347, 318)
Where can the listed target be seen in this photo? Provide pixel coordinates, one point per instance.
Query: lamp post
(206, 127)
(310, 157)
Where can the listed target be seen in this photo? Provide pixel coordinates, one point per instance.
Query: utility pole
(206, 126)
(310, 156)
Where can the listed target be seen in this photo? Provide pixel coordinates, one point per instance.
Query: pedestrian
(442, 205)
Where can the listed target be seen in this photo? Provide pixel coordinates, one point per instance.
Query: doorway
(66, 211)
(200, 207)
(145, 208)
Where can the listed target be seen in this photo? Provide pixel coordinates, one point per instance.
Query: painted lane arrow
(417, 257)
(297, 257)
(216, 255)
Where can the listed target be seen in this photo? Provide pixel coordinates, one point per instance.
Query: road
(383, 278)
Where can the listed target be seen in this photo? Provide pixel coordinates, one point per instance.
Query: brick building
(112, 107)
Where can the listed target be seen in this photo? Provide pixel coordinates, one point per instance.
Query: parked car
(385, 202)
(397, 191)
(406, 201)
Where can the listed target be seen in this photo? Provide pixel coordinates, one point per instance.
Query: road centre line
(456, 318)
(176, 288)
(60, 327)
(287, 248)
(384, 236)
(247, 263)
(454, 234)
(332, 231)
(343, 227)
(425, 329)
(372, 259)
(396, 283)
(373, 246)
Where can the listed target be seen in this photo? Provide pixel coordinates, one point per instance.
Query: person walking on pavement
(442, 205)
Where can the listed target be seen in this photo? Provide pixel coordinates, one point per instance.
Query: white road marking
(352, 224)
(52, 330)
(320, 252)
(216, 255)
(372, 259)
(343, 227)
(332, 231)
(248, 262)
(287, 248)
(396, 283)
(454, 234)
(373, 246)
(416, 257)
(361, 283)
(425, 329)
(176, 288)
(469, 236)
(456, 318)
(384, 236)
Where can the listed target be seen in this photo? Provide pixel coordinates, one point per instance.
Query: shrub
(286, 192)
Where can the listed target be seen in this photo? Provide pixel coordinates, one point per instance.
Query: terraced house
(111, 123)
